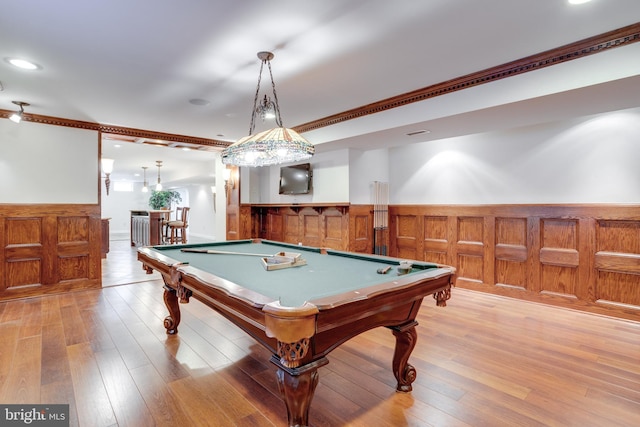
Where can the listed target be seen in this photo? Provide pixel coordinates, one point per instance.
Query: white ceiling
(138, 64)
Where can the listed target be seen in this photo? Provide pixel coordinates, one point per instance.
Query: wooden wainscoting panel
(292, 229)
(560, 281)
(404, 232)
(617, 261)
(275, 221)
(312, 227)
(585, 257)
(73, 267)
(49, 249)
(511, 252)
(23, 231)
(559, 256)
(23, 252)
(470, 248)
(560, 233)
(245, 223)
(361, 229)
(469, 268)
(618, 236)
(470, 229)
(73, 229)
(436, 239)
(23, 272)
(233, 224)
(313, 224)
(617, 288)
(335, 230)
(510, 268)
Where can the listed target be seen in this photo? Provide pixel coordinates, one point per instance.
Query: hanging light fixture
(270, 147)
(145, 184)
(266, 109)
(107, 168)
(159, 185)
(17, 116)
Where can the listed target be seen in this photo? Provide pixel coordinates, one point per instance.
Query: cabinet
(147, 227)
(340, 226)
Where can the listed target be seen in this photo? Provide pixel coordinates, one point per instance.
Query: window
(122, 186)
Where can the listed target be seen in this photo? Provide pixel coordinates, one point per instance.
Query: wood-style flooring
(481, 361)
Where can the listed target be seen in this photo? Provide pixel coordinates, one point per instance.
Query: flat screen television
(295, 179)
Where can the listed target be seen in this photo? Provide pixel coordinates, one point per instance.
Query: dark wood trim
(147, 134)
(600, 43)
(117, 130)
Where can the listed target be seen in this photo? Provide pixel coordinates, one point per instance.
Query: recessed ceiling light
(199, 102)
(23, 63)
(578, 1)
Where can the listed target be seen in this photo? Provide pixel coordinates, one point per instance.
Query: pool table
(303, 312)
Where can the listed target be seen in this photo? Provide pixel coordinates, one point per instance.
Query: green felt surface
(322, 276)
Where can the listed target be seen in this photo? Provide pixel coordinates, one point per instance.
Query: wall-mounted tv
(295, 179)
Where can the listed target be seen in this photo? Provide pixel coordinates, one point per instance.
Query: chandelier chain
(275, 97)
(278, 118)
(252, 126)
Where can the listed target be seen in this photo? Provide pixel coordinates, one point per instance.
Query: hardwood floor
(483, 360)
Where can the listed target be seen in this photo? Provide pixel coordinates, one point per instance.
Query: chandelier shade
(270, 147)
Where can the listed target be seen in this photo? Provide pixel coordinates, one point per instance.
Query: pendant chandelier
(145, 183)
(159, 184)
(270, 147)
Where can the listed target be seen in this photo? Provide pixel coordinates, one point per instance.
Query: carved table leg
(297, 386)
(172, 321)
(442, 297)
(405, 373)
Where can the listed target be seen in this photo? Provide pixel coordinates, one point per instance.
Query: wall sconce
(107, 168)
(17, 116)
(229, 182)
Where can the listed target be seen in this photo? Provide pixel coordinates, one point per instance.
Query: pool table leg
(172, 321)
(405, 373)
(297, 386)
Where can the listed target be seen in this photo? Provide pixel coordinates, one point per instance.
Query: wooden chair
(177, 229)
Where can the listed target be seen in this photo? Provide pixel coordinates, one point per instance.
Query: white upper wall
(47, 164)
(593, 159)
(589, 160)
(330, 181)
(365, 168)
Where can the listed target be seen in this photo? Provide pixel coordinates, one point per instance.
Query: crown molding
(580, 49)
(117, 130)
